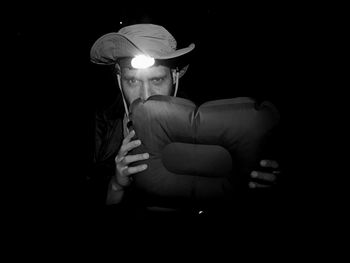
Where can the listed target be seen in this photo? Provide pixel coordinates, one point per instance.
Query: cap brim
(108, 48)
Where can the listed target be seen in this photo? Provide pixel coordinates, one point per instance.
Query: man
(146, 63)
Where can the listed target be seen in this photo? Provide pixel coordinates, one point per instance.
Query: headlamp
(142, 61)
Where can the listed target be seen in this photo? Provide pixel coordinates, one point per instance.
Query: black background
(264, 51)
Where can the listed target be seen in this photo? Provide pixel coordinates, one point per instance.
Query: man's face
(143, 83)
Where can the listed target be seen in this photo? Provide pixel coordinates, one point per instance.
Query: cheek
(164, 90)
(131, 95)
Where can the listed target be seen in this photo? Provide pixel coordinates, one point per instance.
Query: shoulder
(108, 133)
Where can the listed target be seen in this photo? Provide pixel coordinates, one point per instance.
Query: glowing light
(142, 61)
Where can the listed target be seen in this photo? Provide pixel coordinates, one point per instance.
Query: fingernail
(254, 174)
(144, 166)
(146, 156)
(138, 142)
(263, 163)
(252, 185)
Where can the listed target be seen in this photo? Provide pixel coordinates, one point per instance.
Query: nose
(145, 91)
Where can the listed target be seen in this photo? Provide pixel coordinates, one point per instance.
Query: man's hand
(266, 178)
(123, 160)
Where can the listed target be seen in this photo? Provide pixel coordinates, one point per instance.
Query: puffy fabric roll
(198, 154)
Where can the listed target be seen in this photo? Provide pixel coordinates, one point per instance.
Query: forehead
(152, 71)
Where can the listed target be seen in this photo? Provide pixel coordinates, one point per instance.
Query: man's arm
(115, 192)
(108, 139)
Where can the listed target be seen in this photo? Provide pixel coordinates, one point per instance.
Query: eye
(157, 80)
(132, 81)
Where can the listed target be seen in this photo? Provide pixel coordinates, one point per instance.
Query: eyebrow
(152, 76)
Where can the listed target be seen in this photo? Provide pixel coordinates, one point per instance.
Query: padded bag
(198, 154)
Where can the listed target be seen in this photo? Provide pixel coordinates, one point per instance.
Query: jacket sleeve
(108, 139)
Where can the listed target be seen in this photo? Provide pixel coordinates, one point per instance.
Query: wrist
(115, 186)
(115, 192)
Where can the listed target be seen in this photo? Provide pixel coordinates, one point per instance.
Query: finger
(269, 163)
(270, 177)
(128, 137)
(133, 158)
(125, 148)
(253, 185)
(135, 169)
